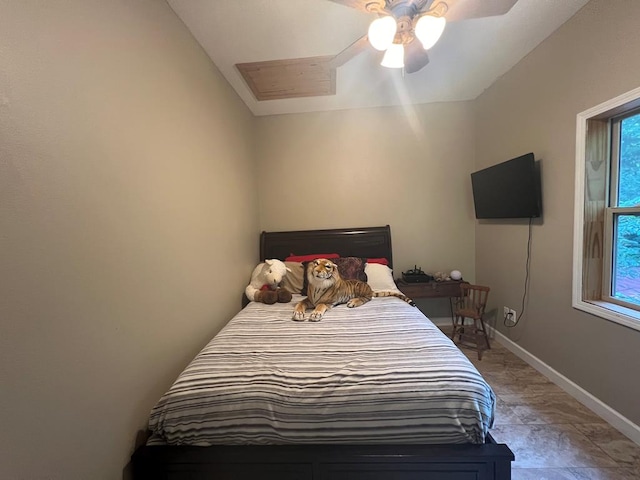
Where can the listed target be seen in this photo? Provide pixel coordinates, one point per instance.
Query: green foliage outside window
(629, 191)
(628, 229)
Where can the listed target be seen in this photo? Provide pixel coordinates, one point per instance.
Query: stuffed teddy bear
(265, 283)
(441, 277)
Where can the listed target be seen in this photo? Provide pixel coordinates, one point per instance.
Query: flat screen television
(509, 189)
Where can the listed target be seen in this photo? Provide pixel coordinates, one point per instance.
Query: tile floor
(553, 436)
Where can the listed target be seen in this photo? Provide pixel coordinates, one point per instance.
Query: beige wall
(128, 224)
(592, 58)
(408, 168)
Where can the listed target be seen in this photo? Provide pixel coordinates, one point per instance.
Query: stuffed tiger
(327, 289)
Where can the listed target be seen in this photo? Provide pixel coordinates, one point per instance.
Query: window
(606, 280)
(622, 224)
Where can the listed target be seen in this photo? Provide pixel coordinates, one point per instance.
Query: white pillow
(380, 277)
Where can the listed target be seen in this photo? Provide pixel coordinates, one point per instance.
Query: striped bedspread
(380, 373)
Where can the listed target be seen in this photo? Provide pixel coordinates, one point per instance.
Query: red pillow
(381, 261)
(311, 256)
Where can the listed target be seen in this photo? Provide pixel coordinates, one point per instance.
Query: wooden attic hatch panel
(292, 78)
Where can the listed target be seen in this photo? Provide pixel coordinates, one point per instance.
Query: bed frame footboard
(490, 461)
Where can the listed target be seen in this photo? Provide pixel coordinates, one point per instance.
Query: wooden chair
(471, 304)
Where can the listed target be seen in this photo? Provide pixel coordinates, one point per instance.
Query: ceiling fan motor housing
(404, 34)
(406, 8)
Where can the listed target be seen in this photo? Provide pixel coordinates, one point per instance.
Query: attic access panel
(291, 78)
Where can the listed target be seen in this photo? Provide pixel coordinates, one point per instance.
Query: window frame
(609, 232)
(605, 307)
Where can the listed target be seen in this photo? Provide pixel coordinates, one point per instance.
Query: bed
(368, 393)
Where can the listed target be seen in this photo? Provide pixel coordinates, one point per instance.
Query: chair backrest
(473, 297)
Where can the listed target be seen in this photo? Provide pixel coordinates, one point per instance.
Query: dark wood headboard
(368, 242)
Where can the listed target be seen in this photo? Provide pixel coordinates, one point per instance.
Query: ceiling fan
(404, 29)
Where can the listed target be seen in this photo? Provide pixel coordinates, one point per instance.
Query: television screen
(508, 190)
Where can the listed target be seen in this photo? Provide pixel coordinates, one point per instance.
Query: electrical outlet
(509, 314)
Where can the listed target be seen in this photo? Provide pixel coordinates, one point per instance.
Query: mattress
(381, 373)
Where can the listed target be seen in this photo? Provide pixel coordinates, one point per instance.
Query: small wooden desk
(448, 289)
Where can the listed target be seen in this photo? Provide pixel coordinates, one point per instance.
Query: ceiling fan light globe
(428, 29)
(381, 33)
(394, 56)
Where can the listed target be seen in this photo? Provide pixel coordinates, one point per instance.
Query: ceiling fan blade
(415, 57)
(466, 9)
(356, 48)
(362, 5)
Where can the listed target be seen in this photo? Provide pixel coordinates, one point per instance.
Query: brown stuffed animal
(268, 296)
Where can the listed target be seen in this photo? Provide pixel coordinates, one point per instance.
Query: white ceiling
(468, 58)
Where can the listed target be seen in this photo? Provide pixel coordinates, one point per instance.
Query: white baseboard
(615, 419)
